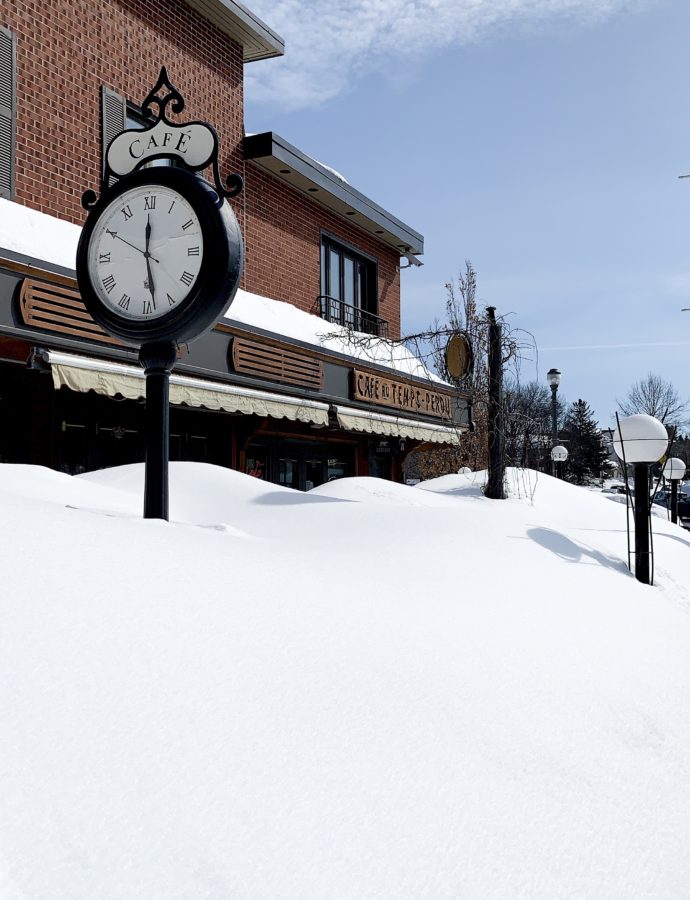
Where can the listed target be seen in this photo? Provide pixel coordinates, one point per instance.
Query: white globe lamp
(640, 439)
(674, 469)
(559, 454)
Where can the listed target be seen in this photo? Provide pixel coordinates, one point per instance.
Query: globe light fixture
(673, 471)
(641, 440)
(559, 454)
(553, 377)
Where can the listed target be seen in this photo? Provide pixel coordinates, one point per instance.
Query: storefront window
(337, 468)
(255, 463)
(288, 472)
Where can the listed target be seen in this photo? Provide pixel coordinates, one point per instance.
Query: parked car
(663, 498)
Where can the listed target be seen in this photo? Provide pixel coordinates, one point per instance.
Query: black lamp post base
(158, 360)
(642, 568)
(674, 501)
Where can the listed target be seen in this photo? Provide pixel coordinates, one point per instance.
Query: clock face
(145, 252)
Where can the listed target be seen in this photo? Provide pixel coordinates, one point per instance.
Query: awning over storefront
(393, 426)
(82, 374)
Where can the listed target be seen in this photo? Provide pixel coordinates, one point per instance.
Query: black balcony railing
(342, 313)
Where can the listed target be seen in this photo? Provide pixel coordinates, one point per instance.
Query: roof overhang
(272, 153)
(258, 41)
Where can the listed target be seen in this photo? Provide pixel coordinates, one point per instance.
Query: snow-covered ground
(366, 691)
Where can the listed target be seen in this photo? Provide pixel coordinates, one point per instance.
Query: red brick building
(274, 389)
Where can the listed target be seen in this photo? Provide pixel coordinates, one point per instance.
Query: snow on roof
(331, 170)
(36, 235)
(28, 232)
(284, 319)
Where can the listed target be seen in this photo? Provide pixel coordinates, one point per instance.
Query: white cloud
(329, 45)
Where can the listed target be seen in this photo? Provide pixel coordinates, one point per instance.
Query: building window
(349, 288)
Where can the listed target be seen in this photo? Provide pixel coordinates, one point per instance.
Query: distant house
(614, 463)
(278, 389)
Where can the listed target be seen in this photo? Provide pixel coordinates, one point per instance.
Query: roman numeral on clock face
(150, 202)
(148, 307)
(109, 283)
(127, 212)
(103, 257)
(170, 300)
(187, 225)
(186, 278)
(123, 302)
(192, 251)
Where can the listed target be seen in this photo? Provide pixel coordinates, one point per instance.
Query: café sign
(193, 143)
(400, 395)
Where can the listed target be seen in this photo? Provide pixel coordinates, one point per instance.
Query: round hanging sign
(459, 359)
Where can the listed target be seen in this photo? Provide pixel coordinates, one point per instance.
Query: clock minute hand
(147, 255)
(114, 234)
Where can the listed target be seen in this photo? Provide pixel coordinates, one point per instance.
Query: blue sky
(540, 139)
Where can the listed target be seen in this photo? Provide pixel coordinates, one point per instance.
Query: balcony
(341, 313)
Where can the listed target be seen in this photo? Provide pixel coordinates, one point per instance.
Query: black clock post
(158, 360)
(160, 256)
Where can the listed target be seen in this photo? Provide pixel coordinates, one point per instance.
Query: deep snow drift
(367, 691)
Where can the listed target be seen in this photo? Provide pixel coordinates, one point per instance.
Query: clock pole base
(158, 360)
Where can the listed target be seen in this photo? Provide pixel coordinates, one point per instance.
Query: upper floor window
(349, 288)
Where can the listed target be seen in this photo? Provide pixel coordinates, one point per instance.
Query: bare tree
(656, 397)
(527, 423)
(463, 316)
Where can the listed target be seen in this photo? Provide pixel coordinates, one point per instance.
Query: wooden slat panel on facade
(58, 309)
(276, 364)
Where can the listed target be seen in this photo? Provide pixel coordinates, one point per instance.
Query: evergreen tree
(582, 438)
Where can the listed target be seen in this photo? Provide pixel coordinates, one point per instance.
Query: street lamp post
(674, 469)
(553, 376)
(641, 440)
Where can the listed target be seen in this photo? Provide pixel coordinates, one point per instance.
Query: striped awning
(111, 379)
(81, 373)
(395, 426)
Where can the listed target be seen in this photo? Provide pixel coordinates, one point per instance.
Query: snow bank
(365, 691)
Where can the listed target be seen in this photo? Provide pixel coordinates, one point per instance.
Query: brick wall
(67, 48)
(283, 240)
